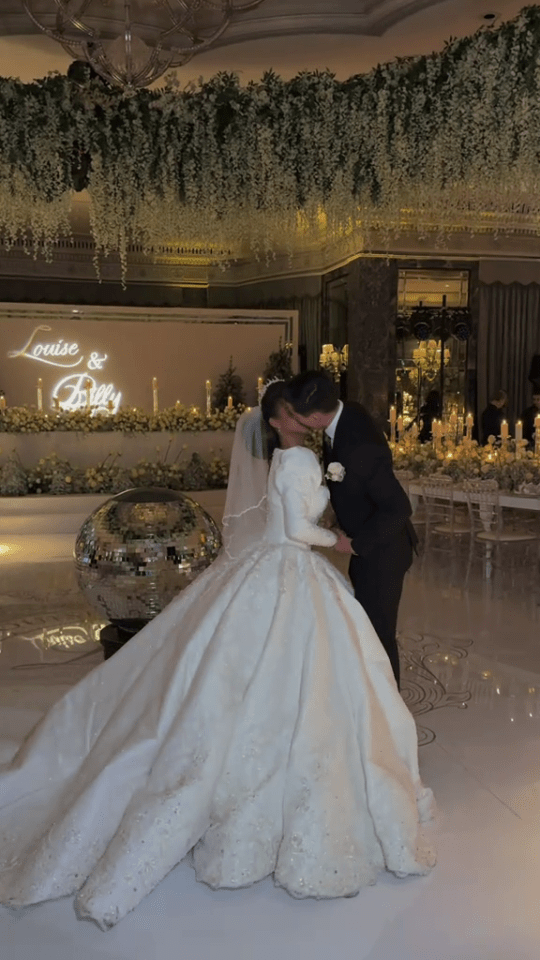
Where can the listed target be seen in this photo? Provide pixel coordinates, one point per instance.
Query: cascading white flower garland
(435, 143)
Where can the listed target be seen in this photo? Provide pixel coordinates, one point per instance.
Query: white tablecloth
(517, 501)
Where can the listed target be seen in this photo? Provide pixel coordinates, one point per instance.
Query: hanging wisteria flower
(279, 163)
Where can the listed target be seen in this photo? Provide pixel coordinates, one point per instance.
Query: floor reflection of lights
(65, 636)
(43, 655)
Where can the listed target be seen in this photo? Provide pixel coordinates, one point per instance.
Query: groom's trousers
(378, 582)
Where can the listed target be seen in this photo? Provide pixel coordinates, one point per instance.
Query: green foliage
(229, 385)
(278, 364)
(196, 473)
(13, 480)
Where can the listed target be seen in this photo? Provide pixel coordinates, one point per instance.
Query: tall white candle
(400, 425)
(260, 384)
(504, 430)
(88, 386)
(40, 394)
(469, 423)
(229, 403)
(519, 437)
(155, 395)
(208, 386)
(392, 424)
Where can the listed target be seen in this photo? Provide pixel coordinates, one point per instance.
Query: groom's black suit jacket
(370, 504)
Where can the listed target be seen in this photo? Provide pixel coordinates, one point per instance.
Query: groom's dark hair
(312, 391)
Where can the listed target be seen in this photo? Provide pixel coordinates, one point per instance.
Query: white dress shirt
(331, 428)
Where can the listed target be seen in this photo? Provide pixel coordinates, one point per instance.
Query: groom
(370, 505)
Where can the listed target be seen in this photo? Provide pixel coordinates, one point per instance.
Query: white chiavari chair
(492, 540)
(446, 526)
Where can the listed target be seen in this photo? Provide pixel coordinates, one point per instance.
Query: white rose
(335, 472)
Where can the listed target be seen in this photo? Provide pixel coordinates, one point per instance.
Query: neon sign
(76, 391)
(72, 394)
(41, 351)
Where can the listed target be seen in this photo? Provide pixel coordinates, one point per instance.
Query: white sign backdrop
(109, 356)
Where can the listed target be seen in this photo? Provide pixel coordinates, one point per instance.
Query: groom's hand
(343, 543)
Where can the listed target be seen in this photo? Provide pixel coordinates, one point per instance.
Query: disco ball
(140, 549)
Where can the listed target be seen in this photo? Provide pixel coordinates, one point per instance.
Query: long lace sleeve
(299, 484)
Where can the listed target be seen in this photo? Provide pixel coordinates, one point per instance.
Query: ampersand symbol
(95, 362)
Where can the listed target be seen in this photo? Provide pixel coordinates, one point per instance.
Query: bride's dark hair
(270, 402)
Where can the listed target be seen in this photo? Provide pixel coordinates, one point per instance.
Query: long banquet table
(516, 501)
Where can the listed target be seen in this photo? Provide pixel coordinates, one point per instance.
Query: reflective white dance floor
(471, 659)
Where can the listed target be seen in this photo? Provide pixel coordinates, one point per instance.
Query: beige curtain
(310, 330)
(508, 338)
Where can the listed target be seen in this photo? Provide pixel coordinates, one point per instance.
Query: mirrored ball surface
(138, 550)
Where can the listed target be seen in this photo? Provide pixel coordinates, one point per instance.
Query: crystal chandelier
(335, 362)
(131, 43)
(427, 358)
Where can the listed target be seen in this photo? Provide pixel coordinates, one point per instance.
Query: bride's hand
(343, 543)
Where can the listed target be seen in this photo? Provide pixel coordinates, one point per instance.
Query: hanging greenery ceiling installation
(446, 141)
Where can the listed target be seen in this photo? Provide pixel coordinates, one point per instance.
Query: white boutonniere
(335, 472)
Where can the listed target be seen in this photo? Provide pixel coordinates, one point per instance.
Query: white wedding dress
(255, 722)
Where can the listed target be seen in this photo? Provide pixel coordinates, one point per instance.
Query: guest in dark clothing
(529, 415)
(429, 411)
(492, 416)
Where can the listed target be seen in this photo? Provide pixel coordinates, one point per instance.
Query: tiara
(267, 384)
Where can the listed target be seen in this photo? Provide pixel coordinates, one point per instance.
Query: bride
(255, 723)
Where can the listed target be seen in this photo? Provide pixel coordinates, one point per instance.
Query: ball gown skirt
(255, 722)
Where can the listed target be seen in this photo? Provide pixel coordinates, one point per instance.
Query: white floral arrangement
(55, 475)
(407, 144)
(512, 465)
(128, 420)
